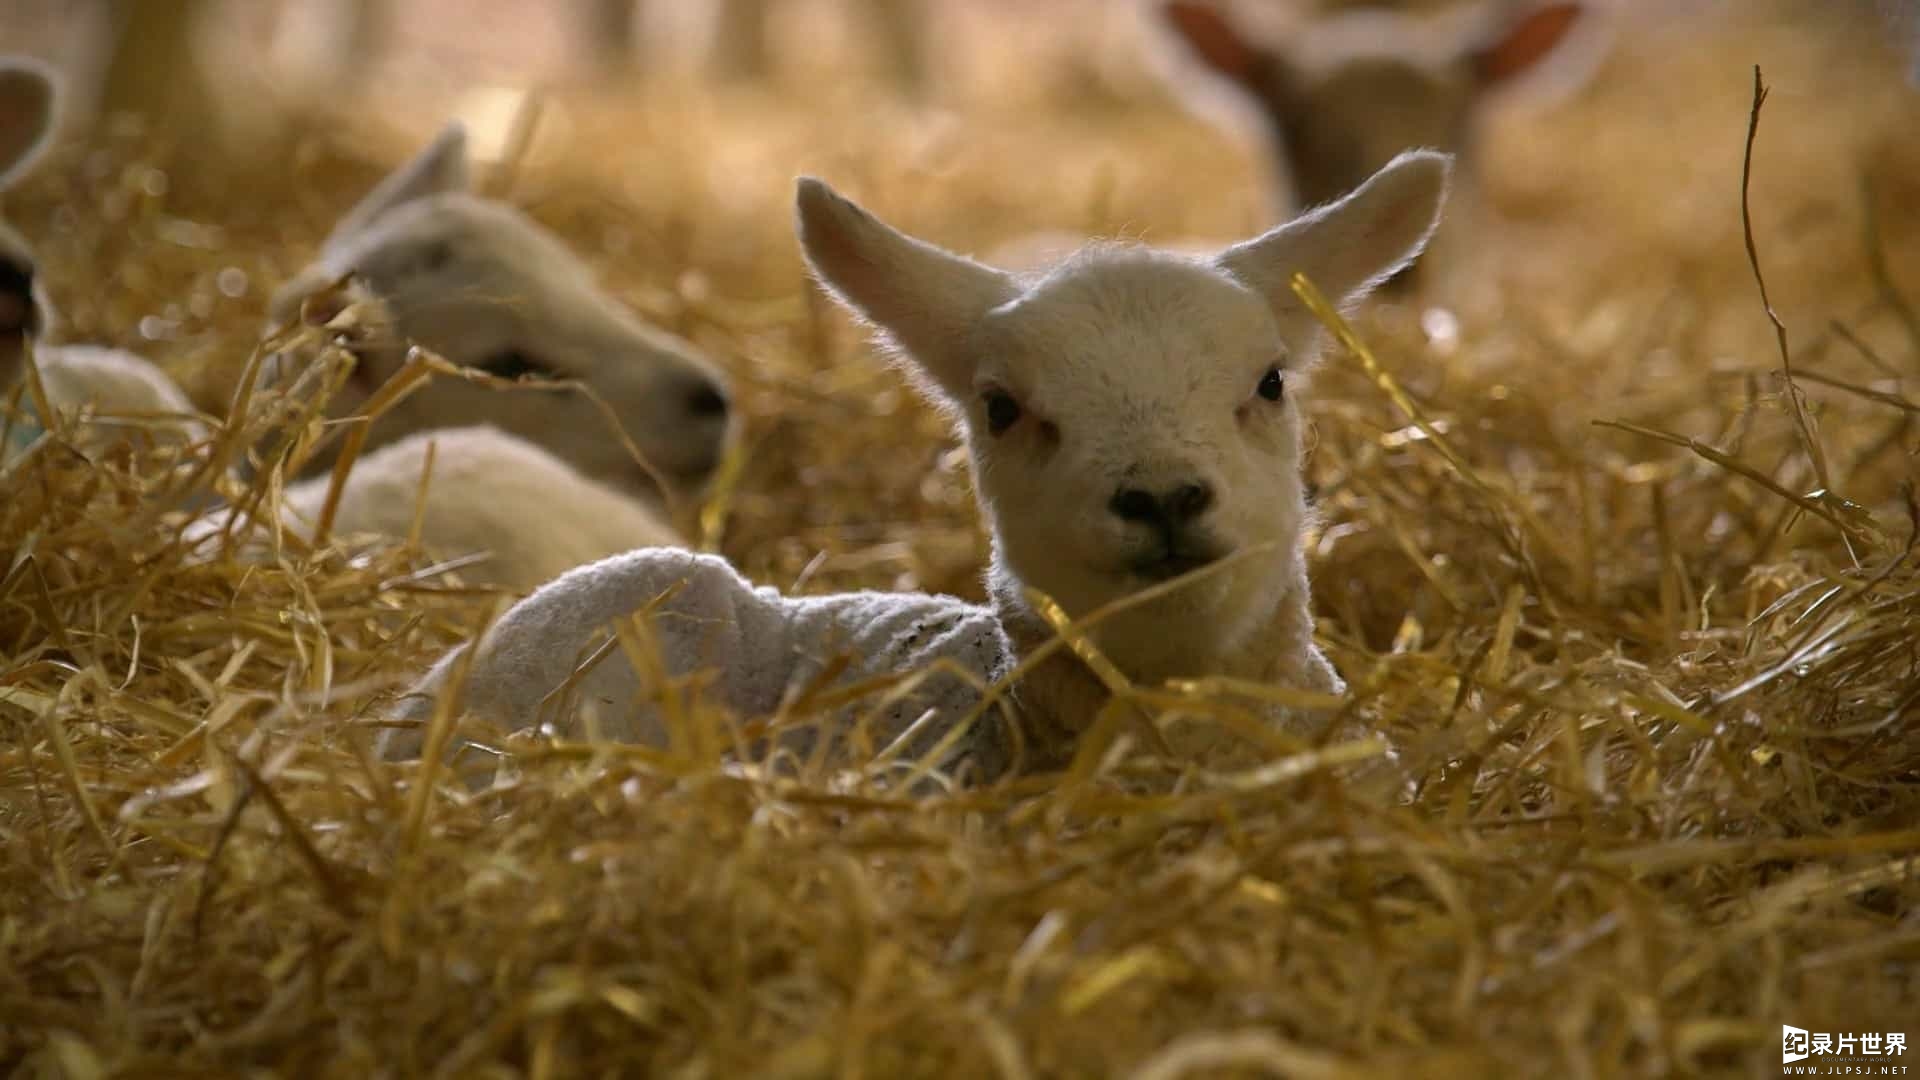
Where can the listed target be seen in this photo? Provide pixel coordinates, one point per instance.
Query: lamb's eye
(516, 364)
(1273, 385)
(1002, 411)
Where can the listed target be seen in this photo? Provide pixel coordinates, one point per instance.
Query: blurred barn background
(1592, 269)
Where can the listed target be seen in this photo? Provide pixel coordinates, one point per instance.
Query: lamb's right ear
(1349, 246)
(440, 167)
(27, 94)
(922, 297)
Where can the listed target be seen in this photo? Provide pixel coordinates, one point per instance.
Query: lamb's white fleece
(757, 644)
(530, 514)
(111, 383)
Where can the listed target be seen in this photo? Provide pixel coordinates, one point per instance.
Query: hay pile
(1654, 780)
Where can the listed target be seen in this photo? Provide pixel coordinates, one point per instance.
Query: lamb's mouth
(1173, 561)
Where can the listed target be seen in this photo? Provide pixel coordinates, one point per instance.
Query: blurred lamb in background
(1611, 126)
(1334, 89)
(1342, 93)
(523, 512)
(482, 285)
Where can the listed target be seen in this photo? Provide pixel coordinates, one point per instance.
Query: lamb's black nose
(1132, 504)
(18, 315)
(1176, 507)
(707, 399)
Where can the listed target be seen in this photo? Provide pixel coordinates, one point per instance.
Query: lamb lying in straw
(1132, 417)
(535, 482)
(443, 264)
(484, 286)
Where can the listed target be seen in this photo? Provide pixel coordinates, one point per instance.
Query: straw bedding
(1646, 784)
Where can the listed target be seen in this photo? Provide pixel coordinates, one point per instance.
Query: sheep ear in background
(924, 298)
(1524, 42)
(1213, 38)
(1346, 248)
(1552, 49)
(27, 93)
(438, 168)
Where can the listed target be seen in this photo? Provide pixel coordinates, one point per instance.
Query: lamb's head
(27, 99)
(1132, 414)
(486, 287)
(1348, 91)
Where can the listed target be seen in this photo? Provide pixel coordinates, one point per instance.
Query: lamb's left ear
(1348, 247)
(925, 299)
(439, 167)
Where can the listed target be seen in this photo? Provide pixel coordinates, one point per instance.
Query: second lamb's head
(486, 287)
(1131, 414)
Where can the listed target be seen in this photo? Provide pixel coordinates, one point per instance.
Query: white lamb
(115, 394)
(511, 513)
(1131, 416)
(484, 286)
(535, 483)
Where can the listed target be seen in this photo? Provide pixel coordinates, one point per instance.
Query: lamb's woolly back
(482, 284)
(488, 493)
(109, 382)
(759, 647)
